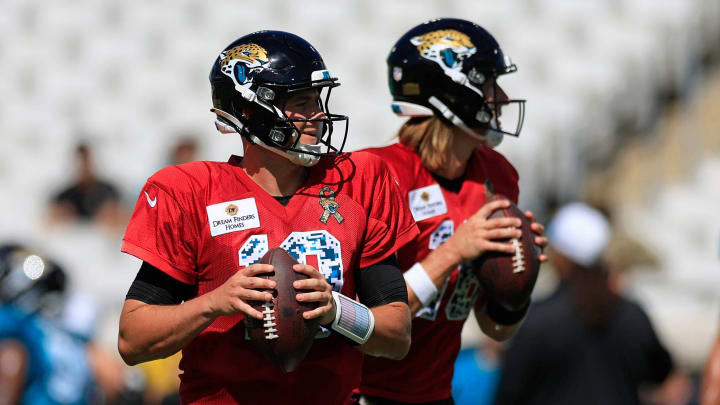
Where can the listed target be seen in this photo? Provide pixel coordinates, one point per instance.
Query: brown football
(510, 278)
(283, 336)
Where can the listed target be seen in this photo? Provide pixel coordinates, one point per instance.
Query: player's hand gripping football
(478, 234)
(320, 292)
(539, 230)
(231, 297)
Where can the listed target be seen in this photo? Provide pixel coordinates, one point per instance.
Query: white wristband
(423, 287)
(352, 319)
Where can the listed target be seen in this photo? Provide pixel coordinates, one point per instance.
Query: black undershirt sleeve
(152, 286)
(381, 283)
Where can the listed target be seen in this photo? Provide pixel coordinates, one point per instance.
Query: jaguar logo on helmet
(447, 48)
(239, 61)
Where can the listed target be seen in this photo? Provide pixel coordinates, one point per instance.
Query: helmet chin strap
(233, 125)
(298, 158)
(491, 138)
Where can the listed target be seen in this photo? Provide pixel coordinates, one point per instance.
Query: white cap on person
(579, 232)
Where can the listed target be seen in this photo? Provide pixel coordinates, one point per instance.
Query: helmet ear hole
(266, 94)
(277, 136)
(476, 76)
(483, 117)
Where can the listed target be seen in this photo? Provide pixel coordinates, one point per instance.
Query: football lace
(518, 262)
(269, 318)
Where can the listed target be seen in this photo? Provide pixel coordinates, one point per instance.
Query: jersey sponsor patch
(427, 202)
(232, 216)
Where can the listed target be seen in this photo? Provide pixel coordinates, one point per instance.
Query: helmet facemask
(480, 115)
(497, 117)
(285, 136)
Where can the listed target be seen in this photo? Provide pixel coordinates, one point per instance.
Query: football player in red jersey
(200, 229)
(443, 74)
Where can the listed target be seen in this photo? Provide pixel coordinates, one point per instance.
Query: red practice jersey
(426, 373)
(201, 222)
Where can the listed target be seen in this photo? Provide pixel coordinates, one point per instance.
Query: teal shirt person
(58, 370)
(476, 378)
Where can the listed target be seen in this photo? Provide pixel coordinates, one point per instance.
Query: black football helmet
(30, 282)
(439, 68)
(251, 81)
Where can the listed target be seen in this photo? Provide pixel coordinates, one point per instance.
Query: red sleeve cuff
(184, 276)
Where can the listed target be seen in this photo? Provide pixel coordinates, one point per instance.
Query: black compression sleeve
(381, 283)
(153, 286)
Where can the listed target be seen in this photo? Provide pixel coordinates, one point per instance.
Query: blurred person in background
(41, 361)
(201, 228)
(710, 390)
(443, 74)
(88, 198)
(163, 381)
(47, 350)
(584, 344)
(477, 374)
(185, 150)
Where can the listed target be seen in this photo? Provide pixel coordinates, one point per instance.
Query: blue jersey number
(301, 246)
